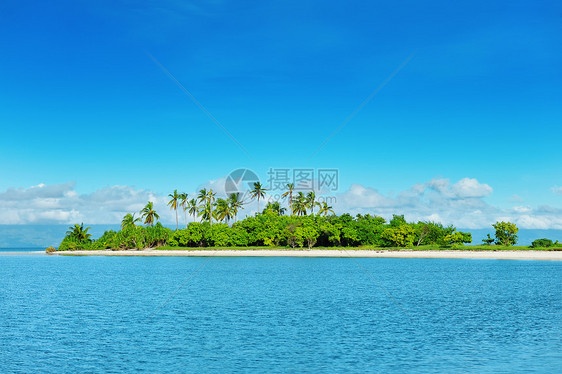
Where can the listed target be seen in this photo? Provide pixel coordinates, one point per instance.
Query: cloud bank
(461, 204)
(62, 204)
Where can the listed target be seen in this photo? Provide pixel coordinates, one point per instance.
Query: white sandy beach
(499, 255)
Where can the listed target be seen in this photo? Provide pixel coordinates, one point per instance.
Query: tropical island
(272, 228)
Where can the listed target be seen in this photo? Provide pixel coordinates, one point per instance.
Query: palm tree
(235, 203)
(129, 221)
(326, 209)
(207, 198)
(311, 201)
(202, 196)
(205, 212)
(275, 207)
(173, 203)
(149, 214)
(183, 204)
(258, 192)
(78, 232)
(210, 202)
(192, 207)
(223, 210)
(300, 204)
(290, 188)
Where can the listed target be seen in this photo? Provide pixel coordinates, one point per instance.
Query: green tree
(202, 200)
(258, 192)
(299, 204)
(325, 209)
(457, 238)
(310, 234)
(192, 208)
(289, 193)
(506, 233)
(129, 221)
(422, 230)
(149, 214)
(330, 233)
(202, 196)
(79, 233)
(488, 240)
(542, 243)
(184, 204)
(311, 201)
(223, 209)
(206, 212)
(402, 236)
(173, 203)
(397, 220)
(235, 204)
(293, 233)
(275, 208)
(206, 198)
(219, 235)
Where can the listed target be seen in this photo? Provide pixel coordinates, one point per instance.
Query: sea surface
(63, 314)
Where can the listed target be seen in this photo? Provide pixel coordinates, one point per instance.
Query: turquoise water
(175, 314)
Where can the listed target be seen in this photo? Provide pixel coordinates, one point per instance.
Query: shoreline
(446, 254)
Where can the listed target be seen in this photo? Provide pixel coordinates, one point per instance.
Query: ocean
(62, 314)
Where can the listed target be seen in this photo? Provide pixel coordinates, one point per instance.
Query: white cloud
(470, 187)
(39, 191)
(62, 204)
(522, 209)
(461, 204)
(557, 190)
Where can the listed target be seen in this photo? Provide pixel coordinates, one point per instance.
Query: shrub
(193, 236)
(106, 240)
(457, 238)
(402, 236)
(488, 240)
(542, 243)
(156, 236)
(219, 235)
(69, 243)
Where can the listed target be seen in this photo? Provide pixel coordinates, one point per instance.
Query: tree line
(273, 226)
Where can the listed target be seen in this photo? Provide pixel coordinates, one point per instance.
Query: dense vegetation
(544, 243)
(129, 237)
(272, 227)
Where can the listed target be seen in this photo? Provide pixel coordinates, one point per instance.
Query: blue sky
(480, 97)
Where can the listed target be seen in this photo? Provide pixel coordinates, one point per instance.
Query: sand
(499, 255)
